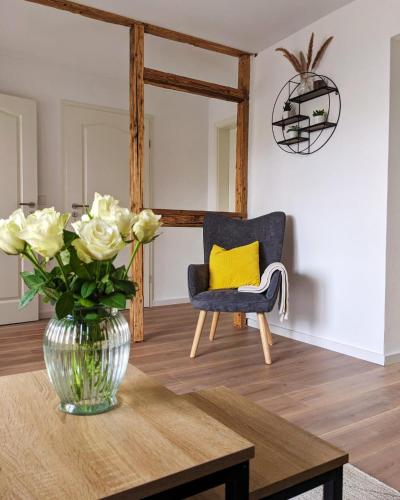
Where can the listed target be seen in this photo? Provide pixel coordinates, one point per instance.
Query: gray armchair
(230, 233)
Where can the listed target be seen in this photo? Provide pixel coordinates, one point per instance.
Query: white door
(18, 164)
(96, 158)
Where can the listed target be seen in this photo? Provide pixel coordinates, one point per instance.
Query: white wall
(336, 199)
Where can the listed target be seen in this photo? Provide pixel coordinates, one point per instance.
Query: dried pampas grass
(303, 64)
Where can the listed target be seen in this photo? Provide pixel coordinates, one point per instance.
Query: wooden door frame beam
(136, 110)
(189, 218)
(151, 29)
(193, 86)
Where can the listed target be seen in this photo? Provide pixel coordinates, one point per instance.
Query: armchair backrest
(229, 233)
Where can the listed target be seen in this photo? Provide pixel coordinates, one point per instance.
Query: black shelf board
(290, 120)
(295, 140)
(318, 126)
(313, 94)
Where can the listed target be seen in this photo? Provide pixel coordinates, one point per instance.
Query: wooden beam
(195, 41)
(87, 11)
(110, 17)
(136, 94)
(188, 218)
(193, 86)
(242, 140)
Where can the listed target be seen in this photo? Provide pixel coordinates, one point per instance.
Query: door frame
(225, 124)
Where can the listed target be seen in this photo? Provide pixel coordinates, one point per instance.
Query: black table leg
(237, 486)
(333, 489)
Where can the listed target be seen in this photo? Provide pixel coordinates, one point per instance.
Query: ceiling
(45, 35)
(251, 25)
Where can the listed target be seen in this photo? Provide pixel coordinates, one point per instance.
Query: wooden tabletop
(153, 441)
(285, 454)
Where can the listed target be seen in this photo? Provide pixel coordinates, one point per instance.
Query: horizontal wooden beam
(110, 17)
(193, 40)
(188, 218)
(193, 86)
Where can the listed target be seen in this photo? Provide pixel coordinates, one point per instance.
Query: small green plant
(287, 106)
(293, 128)
(318, 112)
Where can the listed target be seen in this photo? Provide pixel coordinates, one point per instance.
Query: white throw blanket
(265, 282)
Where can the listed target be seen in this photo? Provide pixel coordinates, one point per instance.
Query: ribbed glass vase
(87, 359)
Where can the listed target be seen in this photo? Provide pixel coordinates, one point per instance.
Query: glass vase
(86, 359)
(305, 85)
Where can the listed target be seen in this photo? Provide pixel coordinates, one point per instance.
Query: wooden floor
(351, 403)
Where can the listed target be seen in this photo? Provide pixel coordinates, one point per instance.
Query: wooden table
(288, 460)
(154, 442)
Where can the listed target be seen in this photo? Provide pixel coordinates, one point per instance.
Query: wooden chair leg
(264, 338)
(214, 325)
(199, 329)
(269, 334)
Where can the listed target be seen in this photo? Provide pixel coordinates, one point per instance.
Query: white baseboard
(46, 311)
(349, 350)
(392, 358)
(170, 302)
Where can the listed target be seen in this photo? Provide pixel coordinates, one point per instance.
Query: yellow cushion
(236, 267)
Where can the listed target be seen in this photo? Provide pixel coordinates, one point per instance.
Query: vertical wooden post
(242, 141)
(136, 108)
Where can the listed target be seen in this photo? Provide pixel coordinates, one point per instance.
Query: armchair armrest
(198, 278)
(272, 290)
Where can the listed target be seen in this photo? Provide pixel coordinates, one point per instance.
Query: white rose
(146, 226)
(10, 229)
(98, 240)
(103, 205)
(107, 208)
(44, 231)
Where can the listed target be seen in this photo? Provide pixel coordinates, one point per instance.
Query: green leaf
(88, 288)
(69, 237)
(33, 280)
(77, 266)
(119, 273)
(86, 302)
(109, 288)
(125, 286)
(118, 300)
(65, 305)
(27, 297)
(92, 316)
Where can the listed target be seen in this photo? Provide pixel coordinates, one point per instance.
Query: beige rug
(357, 486)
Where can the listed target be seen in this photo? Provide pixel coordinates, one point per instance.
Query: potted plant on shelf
(288, 110)
(319, 116)
(293, 132)
(87, 343)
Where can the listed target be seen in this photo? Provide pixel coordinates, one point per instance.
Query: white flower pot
(319, 119)
(292, 134)
(288, 114)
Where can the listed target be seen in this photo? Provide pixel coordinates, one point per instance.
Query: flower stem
(61, 265)
(135, 251)
(31, 257)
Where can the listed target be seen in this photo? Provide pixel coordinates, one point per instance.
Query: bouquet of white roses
(84, 276)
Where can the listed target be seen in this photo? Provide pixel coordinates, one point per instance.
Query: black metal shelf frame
(292, 145)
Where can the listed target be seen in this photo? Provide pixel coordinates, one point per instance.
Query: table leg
(333, 489)
(237, 487)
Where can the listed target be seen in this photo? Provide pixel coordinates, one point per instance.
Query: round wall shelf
(294, 127)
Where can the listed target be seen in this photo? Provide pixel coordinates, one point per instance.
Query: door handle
(30, 204)
(77, 205)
